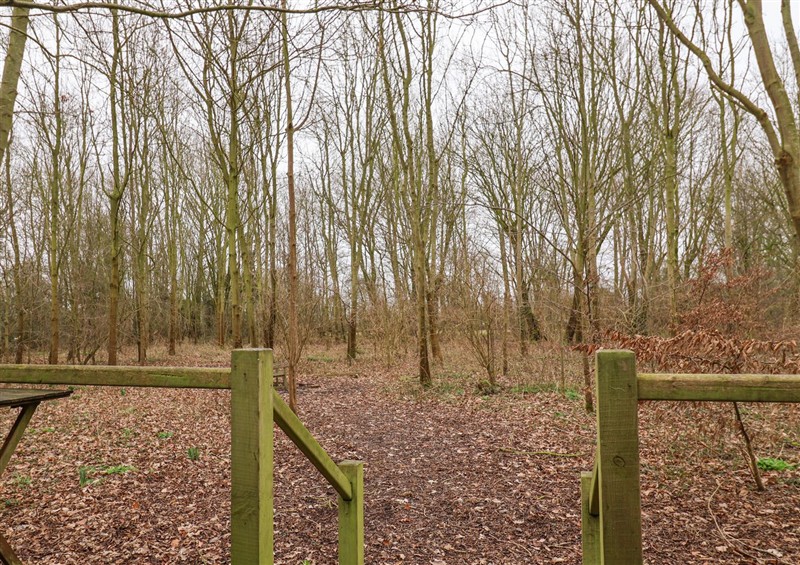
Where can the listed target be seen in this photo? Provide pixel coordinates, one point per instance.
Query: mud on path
(450, 478)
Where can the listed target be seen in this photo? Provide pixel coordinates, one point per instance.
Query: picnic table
(27, 399)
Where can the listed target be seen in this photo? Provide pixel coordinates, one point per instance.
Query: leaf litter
(449, 479)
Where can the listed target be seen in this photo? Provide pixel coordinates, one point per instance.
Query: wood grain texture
(172, 377)
(618, 458)
(351, 516)
(590, 525)
(14, 397)
(719, 388)
(251, 457)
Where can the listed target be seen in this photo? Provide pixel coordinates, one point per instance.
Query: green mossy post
(251, 457)
(618, 458)
(351, 516)
(590, 525)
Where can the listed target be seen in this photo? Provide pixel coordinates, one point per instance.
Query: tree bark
(12, 67)
(293, 345)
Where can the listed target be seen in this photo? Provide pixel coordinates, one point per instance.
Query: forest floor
(451, 476)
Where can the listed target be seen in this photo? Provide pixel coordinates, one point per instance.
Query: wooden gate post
(251, 457)
(351, 516)
(618, 458)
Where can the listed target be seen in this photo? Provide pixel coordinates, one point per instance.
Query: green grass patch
(533, 388)
(772, 464)
(165, 435)
(90, 474)
(320, 358)
(83, 476)
(451, 383)
(193, 453)
(118, 469)
(538, 388)
(485, 388)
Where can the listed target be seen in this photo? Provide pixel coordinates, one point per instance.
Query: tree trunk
(293, 345)
(115, 197)
(17, 270)
(12, 67)
(506, 298)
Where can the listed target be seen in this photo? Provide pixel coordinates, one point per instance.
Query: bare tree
(779, 125)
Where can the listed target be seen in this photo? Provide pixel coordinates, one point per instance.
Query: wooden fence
(611, 523)
(255, 405)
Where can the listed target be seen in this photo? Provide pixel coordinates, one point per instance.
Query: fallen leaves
(458, 481)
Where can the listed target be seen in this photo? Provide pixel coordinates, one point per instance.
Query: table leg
(15, 434)
(7, 555)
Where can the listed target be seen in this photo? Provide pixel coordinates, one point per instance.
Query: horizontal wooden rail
(305, 442)
(719, 388)
(80, 375)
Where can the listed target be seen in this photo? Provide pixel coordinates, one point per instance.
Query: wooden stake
(351, 516)
(618, 458)
(251, 457)
(590, 525)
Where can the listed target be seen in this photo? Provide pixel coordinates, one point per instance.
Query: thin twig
(751, 458)
(731, 541)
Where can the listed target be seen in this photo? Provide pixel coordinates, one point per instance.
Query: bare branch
(740, 97)
(791, 38)
(357, 6)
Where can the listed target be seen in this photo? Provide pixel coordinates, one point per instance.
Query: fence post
(618, 458)
(590, 524)
(251, 457)
(351, 516)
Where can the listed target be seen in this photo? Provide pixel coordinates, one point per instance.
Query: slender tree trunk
(222, 278)
(115, 197)
(352, 322)
(410, 189)
(171, 225)
(54, 219)
(17, 270)
(142, 268)
(232, 218)
(247, 276)
(420, 292)
(12, 67)
(293, 345)
(272, 307)
(433, 193)
(506, 298)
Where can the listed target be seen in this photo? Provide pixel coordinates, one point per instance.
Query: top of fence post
(618, 458)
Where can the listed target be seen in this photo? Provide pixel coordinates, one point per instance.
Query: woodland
(434, 213)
